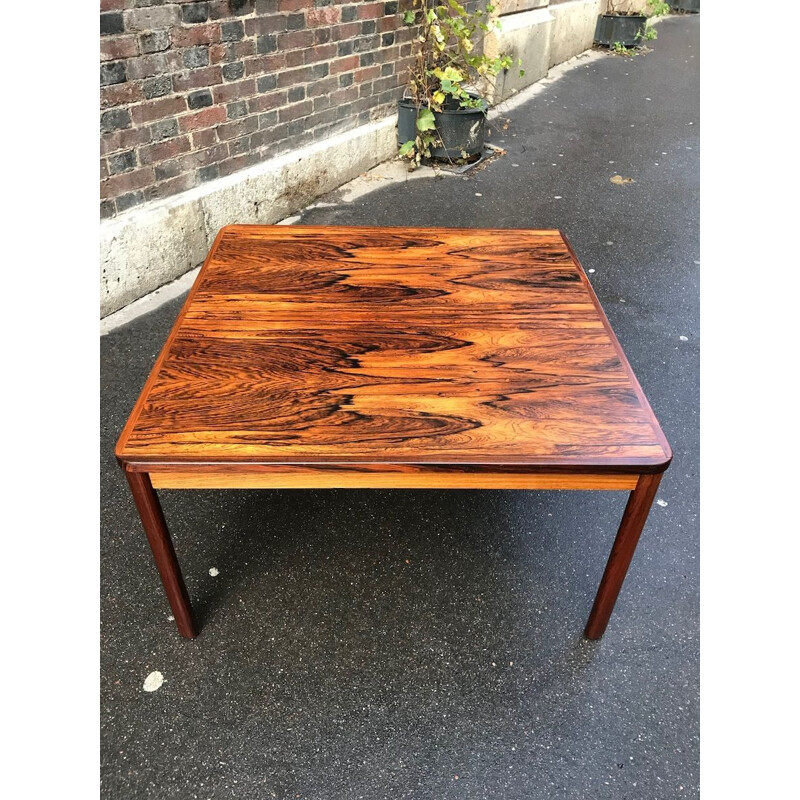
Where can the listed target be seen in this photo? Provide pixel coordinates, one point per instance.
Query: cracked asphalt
(404, 644)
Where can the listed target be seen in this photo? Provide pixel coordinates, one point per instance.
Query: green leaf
(406, 148)
(408, 17)
(425, 120)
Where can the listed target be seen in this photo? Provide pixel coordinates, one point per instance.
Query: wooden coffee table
(321, 357)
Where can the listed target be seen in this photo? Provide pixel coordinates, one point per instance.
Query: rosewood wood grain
(155, 527)
(317, 357)
(376, 345)
(630, 529)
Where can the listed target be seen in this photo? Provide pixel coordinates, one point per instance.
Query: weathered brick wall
(193, 90)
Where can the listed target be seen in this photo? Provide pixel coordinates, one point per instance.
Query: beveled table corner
(357, 357)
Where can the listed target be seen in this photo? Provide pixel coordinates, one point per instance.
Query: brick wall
(194, 90)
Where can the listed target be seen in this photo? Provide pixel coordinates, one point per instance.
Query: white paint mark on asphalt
(662, 503)
(478, 194)
(153, 681)
(591, 270)
(684, 338)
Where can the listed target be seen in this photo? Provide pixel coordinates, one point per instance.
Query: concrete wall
(524, 36)
(573, 28)
(542, 38)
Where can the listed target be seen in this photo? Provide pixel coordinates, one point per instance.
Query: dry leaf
(619, 180)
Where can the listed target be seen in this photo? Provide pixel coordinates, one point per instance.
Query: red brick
(266, 102)
(112, 5)
(320, 52)
(346, 95)
(366, 74)
(209, 156)
(206, 138)
(119, 94)
(197, 79)
(218, 53)
(327, 15)
(160, 151)
(116, 47)
(171, 187)
(240, 50)
(202, 119)
(153, 64)
(370, 11)
(390, 23)
(260, 65)
(293, 39)
(296, 58)
(232, 165)
(260, 25)
(294, 5)
(291, 77)
(296, 111)
(157, 109)
(344, 64)
(123, 140)
(322, 87)
(233, 130)
(347, 31)
(233, 91)
(195, 34)
(126, 182)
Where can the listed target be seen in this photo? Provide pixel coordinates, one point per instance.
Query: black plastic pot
(462, 129)
(627, 30)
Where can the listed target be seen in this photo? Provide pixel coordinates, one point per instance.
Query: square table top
(343, 345)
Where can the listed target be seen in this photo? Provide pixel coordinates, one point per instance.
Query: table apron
(327, 478)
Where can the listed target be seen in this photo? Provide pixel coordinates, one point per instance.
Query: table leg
(155, 527)
(636, 511)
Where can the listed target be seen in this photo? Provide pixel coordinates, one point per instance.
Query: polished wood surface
(630, 529)
(383, 346)
(320, 357)
(169, 570)
(388, 476)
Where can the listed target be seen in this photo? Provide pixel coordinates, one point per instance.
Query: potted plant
(442, 113)
(620, 28)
